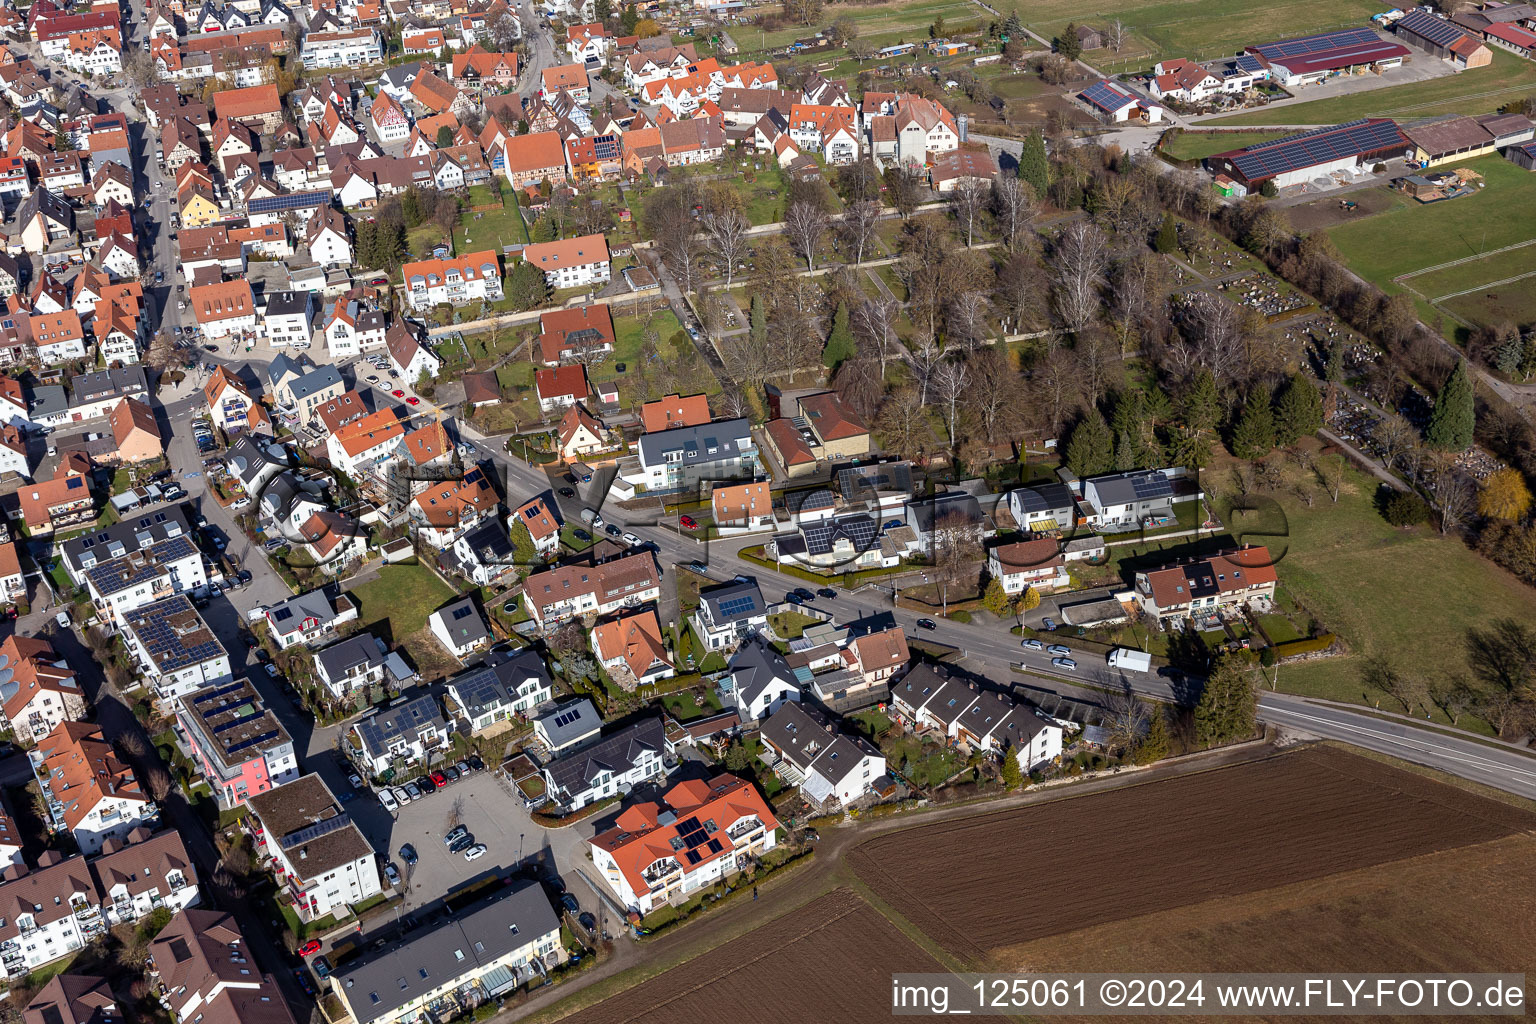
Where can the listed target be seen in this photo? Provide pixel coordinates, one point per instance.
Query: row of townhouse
(58, 907)
(929, 699)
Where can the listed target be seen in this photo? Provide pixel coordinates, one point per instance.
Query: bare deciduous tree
(968, 199)
(1114, 35)
(858, 227)
(806, 224)
(1394, 437)
(1011, 204)
(1079, 258)
(956, 551)
(924, 358)
(902, 425)
(966, 319)
(1127, 717)
(873, 325)
(1455, 499)
(1330, 473)
(728, 242)
(950, 380)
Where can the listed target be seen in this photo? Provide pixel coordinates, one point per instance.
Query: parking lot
(494, 817)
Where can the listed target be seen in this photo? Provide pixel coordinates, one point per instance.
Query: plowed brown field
(976, 885)
(830, 960)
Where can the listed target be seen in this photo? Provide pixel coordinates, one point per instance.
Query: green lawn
(900, 22)
(1409, 594)
(685, 707)
(1199, 145)
(397, 604)
(791, 625)
(1408, 235)
(1479, 91)
(491, 229)
(1496, 267)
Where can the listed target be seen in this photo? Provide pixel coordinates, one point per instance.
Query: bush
(1401, 508)
(1379, 169)
(960, 616)
(1291, 648)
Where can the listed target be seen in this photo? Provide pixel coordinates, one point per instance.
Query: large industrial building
(1320, 153)
(1310, 59)
(1444, 39)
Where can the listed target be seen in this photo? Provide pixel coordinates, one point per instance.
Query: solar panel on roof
(463, 612)
(1304, 45)
(315, 831)
(292, 201)
(1105, 96)
(1436, 30)
(737, 605)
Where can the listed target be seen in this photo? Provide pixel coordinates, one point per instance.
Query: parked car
(462, 843)
(454, 833)
(415, 793)
(475, 852)
(569, 902)
(392, 873)
(587, 920)
(388, 800)
(688, 522)
(827, 592)
(451, 772)
(1049, 624)
(426, 785)
(302, 976)
(804, 594)
(631, 539)
(402, 796)
(408, 854)
(439, 780)
(310, 948)
(1033, 645)
(475, 764)
(322, 967)
(1065, 663)
(1060, 650)
(355, 780)
(462, 767)
(566, 492)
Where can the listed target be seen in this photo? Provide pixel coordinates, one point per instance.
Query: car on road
(927, 624)
(372, 379)
(566, 492)
(827, 592)
(271, 670)
(613, 531)
(475, 852)
(413, 400)
(1060, 650)
(1033, 645)
(439, 780)
(408, 854)
(398, 393)
(794, 598)
(688, 522)
(387, 799)
(631, 539)
(310, 948)
(454, 834)
(302, 977)
(804, 594)
(159, 277)
(1065, 663)
(392, 873)
(1048, 624)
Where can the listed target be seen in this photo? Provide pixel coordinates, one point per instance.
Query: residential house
(569, 591)
(42, 692)
(88, 792)
(1125, 501)
(353, 665)
(119, 586)
(728, 614)
(201, 964)
(1043, 507)
(761, 680)
(135, 432)
(321, 859)
(541, 519)
(174, 650)
(308, 618)
(236, 741)
(507, 685)
(482, 554)
(474, 277)
(409, 730)
(1032, 564)
(683, 457)
(460, 628)
(611, 766)
(631, 649)
(1205, 589)
(581, 334)
(571, 262)
(561, 387)
(704, 832)
(805, 748)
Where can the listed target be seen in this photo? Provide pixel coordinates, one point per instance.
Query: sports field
(1190, 28)
(1479, 91)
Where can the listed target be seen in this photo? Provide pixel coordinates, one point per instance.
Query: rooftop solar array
(1319, 146)
(291, 201)
(1436, 30)
(308, 833)
(165, 632)
(1321, 43)
(1151, 485)
(605, 147)
(1106, 97)
(733, 606)
(820, 536)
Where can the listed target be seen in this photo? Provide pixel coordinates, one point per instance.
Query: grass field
(1344, 564)
(1188, 28)
(1479, 91)
(1513, 303)
(879, 24)
(1408, 236)
(1199, 145)
(1495, 267)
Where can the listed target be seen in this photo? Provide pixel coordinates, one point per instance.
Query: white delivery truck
(1132, 661)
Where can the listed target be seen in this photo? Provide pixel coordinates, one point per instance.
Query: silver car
(1065, 663)
(401, 796)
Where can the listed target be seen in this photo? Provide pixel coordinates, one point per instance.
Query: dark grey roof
(431, 958)
(138, 566)
(736, 601)
(923, 512)
(315, 381)
(1124, 488)
(695, 443)
(615, 754)
(757, 666)
(822, 535)
(855, 482)
(799, 732)
(490, 543)
(570, 722)
(286, 303)
(249, 456)
(174, 634)
(462, 622)
(358, 649)
(313, 605)
(48, 400)
(496, 682)
(380, 729)
(1051, 496)
(281, 366)
(131, 534)
(122, 380)
(842, 755)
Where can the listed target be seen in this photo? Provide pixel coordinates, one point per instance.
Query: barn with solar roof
(1114, 104)
(1348, 148)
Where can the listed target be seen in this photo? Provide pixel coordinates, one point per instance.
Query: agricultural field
(829, 960)
(1511, 269)
(1188, 28)
(1407, 237)
(1199, 145)
(1479, 91)
(1348, 921)
(1302, 815)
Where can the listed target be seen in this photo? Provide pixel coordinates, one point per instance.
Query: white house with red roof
(542, 521)
(703, 831)
(390, 120)
(560, 387)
